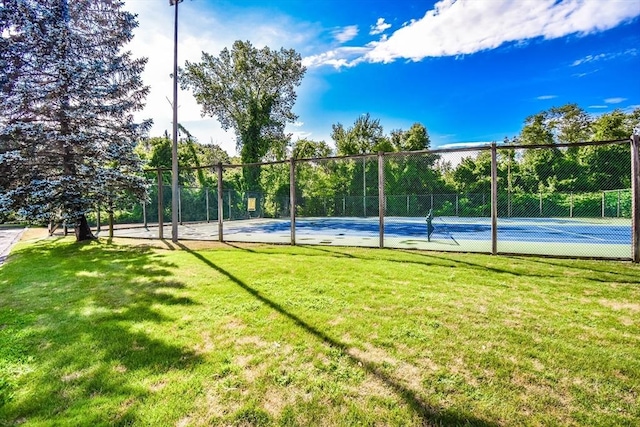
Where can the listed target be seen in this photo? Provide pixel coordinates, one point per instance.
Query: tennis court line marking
(569, 232)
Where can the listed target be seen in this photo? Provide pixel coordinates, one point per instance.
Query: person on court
(429, 224)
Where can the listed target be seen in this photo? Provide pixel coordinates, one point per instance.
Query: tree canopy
(68, 90)
(249, 90)
(589, 168)
(417, 180)
(364, 137)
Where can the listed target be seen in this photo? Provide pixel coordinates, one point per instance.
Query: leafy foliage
(249, 90)
(366, 136)
(549, 180)
(585, 169)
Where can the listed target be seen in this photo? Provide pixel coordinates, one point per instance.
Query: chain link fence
(577, 200)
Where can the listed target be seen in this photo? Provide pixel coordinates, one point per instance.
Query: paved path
(8, 237)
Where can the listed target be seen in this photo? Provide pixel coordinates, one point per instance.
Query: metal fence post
(98, 225)
(179, 205)
(144, 214)
(381, 203)
(484, 203)
(206, 195)
(292, 198)
(160, 206)
(540, 203)
(110, 220)
(635, 198)
(494, 199)
(364, 187)
(220, 205)
(571, 205)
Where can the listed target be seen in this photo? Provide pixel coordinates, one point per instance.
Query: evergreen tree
(68, 91)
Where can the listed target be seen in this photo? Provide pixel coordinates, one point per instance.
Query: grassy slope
(109, 334)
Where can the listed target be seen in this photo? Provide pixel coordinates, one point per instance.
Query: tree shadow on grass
(442, 260)
(604, 273)
(421, 258)
(429, 414)
(335, 253)
(80, 319)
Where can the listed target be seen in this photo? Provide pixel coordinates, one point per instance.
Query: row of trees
(524, 174)
(556, 169)
(68, 140)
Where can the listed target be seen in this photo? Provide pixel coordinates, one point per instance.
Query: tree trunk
(82, 229)
(111, 224)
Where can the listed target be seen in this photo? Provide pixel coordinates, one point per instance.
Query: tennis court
(608, 238)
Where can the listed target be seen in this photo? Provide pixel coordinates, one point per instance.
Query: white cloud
(465, 27)
(580, 75)
(588, 58)
(614, 100)
(337, 58)
(380, 27)
(598, 106)
(457, 27)
(454, 158)
(473, 144)
(295, 135)
(543, 97)
(604, 57)
(345, 34)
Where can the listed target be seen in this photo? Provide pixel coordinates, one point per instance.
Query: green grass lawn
(117, 334)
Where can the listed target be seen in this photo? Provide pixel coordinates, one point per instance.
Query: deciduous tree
(249, 90)
(366, 136)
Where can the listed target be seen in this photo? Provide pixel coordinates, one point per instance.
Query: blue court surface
(557, 230)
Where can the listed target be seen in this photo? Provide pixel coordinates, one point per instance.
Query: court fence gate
(565, 200)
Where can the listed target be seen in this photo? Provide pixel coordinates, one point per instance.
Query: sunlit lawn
(122, 333)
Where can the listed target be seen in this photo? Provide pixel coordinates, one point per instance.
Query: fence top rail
(563, 145)
(241, 165)
(483, 147)
(224, 166)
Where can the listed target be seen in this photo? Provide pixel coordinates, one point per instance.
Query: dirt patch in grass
(121, 369)
(72, 376)
(373, 386)
(410, 375)
(184, 422)
(373, 355)
(336, 321)
(253, 372)
(626, 321)
(619, 305)
(251, 340)
(275, 401)
(205, 345)
(35, 233)
(157, 386)
(234, 323)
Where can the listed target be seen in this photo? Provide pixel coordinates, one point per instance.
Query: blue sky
(470, 71)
